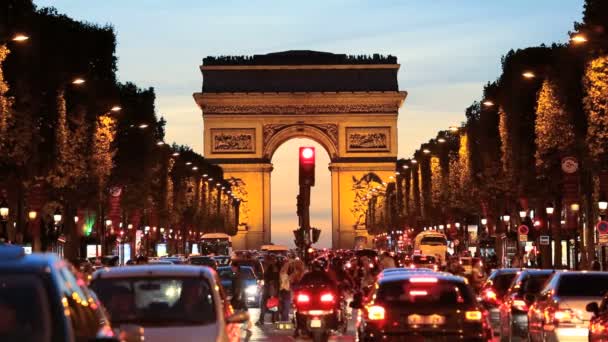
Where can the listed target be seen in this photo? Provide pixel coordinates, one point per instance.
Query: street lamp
(575, 207)
(426, 151)
(116, 109)
(78, 81)
(506, 218)
(20, 37)
(602, 204)
(484, 221)
(578, 39)
(453, 129)
(32, 214)
(76, 219)
(108, 222)
(441, 140)
(57, 216)
(522, 214)
(549, 209)
(488, 103)
(4, 209)
(528, 74)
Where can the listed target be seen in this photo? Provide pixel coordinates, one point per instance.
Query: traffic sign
(523, 229)
(544, 240)
(523, 237)
(602, 227)
(569, 165)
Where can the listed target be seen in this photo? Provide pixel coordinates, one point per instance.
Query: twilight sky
(447, 50)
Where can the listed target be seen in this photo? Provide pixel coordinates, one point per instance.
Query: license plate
(425, 320)
(315, 323)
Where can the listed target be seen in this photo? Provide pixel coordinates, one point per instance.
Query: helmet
(319, 265)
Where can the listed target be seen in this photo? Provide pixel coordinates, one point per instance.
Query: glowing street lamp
(426, 151)
(578, 39)
(20, 38)
(484, 221)
(57, 216)
(175, 154)
(414, 161)
(528, 74)
(76, 219)
(78, 81)
(4, 209)
(522, 214)
(549, 209)
(506, 217)
(32, 214)
(143, 126)
(441, 140)
(453, 129)
(116, 109)
(160, 143)
(488, 103)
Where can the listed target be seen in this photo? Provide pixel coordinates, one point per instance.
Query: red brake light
(303, 298)
(423, 280)
(376, 313)
(327, 298)
(415, 293)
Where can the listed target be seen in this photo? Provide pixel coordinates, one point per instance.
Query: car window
(24, 309)
(534, 283)
(433, 241)
(582, 285)
(443, 293)
(160, 301)
(83, 318)
(501, 282)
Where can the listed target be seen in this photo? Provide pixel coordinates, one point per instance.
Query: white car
(172, 303)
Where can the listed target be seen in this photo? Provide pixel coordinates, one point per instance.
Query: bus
(432, 243)
(216, 244)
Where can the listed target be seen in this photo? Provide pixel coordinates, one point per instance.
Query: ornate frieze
(299, 109)
(230, 140)
(368, 139)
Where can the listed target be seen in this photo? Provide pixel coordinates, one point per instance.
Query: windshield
(501, 282)
(534, 283)
(24, 309)
(157, 301)
(442, 293)
(433, 240)
(582, 285)
(226, 272)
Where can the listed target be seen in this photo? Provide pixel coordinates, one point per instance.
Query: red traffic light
(307, 152)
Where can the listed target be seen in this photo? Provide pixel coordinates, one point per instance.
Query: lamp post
(4, 211)
(506, 219)
(549, 209)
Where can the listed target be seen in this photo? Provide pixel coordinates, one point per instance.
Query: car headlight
(251, 290)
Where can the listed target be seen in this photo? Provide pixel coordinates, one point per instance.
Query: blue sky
(447, 49)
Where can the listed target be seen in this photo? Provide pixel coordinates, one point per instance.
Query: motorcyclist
(319, 275)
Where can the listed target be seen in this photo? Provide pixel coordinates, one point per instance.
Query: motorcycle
(318, 312)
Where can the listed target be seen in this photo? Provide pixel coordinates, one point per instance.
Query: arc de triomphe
(252, 105)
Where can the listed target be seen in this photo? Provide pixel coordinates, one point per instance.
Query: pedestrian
(386, 261)
(285, 290)
(270, 289)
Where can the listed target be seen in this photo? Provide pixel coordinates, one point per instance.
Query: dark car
(257, 266)
(598, 325)
(494, 289)
(41, 299)
(516, 302)
(203, 261)
(418, 306)
(252, 289)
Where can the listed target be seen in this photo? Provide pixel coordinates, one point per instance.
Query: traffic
(364, 295)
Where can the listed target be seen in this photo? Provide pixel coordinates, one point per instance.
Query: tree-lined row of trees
(516, 151)
(75, 141)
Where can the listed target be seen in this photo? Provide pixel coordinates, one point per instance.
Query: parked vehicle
(422, 306)
(559, 312)
(41, 299)
(493, 291)
(172, 303)
(515, 304)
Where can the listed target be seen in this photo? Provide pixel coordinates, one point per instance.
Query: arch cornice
(325, 134)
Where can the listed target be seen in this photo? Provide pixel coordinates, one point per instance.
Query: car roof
(402, 276)
(154, 271)
(13, 258)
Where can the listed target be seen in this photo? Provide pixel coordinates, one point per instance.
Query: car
(559, 311)
(202, 260)
(493, 290)
(176, 302)
(396, 270)
(222, 260)
(252, 285)
(419, 306)
(424, 261)
(514, 306)
(257, 266)
(41, 299)
(598, 325)
(178, 260)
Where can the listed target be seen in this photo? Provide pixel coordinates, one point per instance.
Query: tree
(596, 106)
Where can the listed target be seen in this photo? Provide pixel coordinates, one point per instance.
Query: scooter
(318, 312)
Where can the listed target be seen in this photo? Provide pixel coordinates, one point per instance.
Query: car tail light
(423, 280)
(415, 293)
(562, 316)
(302, 298)
(520, 305)
(376, 313)
(473, 315)
(597, 328)
(327, 298)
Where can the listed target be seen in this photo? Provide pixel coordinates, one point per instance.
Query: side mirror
(593, 308)
(131, 333)
(530, 298)
(238, 317)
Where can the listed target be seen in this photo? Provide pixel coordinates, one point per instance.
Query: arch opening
(326, 139)
(284, 189)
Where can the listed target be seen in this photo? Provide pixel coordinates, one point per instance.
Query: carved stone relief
(368, 139)
(233, 140)
(300, 109)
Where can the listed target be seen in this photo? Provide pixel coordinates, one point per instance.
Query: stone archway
(348, 105)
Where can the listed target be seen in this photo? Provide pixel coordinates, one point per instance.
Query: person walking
(285, 290)
(270, 289)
